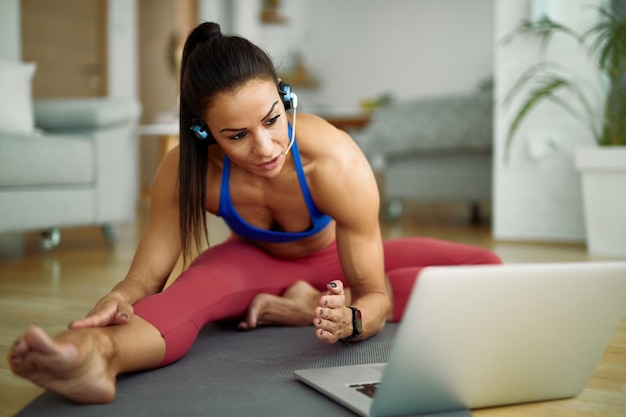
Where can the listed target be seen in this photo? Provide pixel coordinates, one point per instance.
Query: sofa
(433, 149)
(73, 163)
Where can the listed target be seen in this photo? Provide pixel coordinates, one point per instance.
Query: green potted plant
(604, 166)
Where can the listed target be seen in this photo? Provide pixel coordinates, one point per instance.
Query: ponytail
(212, 63)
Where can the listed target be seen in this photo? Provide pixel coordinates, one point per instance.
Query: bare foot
(72, 364)
(296, 307)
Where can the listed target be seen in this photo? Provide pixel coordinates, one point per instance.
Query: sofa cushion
(38, 160)
(16, 106)
(84, 113)
(42, 207)
(441, 124)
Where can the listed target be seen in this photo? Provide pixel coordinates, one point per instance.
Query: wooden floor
(53, 288)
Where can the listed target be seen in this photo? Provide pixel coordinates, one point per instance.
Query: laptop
(489, 335)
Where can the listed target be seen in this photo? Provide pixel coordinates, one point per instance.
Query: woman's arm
(156, 255)
(344, 187)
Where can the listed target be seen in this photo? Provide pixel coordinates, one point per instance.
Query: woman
(304, 215)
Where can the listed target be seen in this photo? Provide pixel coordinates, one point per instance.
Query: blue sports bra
(244, 229)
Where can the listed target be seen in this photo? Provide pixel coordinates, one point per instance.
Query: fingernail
(333, 284)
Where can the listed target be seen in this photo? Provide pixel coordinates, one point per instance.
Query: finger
(335, 287)
(96, 320)
(333, 320)
(332, 301)
(325, 337)
(83, 323)
(334, 297)
(124, 313)
(250, 321)
(243, 326)
(331, 313)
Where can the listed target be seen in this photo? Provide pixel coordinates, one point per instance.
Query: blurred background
(346, 60)
(337, 55)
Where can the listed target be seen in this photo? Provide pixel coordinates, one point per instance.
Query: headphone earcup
(284, 90)
(201, 131)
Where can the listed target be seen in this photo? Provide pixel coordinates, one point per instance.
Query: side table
(168, 135)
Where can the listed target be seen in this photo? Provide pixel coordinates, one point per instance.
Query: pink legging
(221, 282)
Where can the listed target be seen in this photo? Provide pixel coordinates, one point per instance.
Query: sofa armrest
(80, 114)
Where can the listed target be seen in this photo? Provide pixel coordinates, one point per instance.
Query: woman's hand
(111, 309)
(333, 320)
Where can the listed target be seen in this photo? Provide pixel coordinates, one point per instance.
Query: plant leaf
(545, 28)
(547, 89)
(545, 69)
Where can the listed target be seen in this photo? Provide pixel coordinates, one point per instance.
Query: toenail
(333, 284)
(17, 342)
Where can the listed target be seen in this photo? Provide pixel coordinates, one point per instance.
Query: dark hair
(212, 63)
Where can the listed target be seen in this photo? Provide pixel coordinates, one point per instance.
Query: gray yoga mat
(230, 373)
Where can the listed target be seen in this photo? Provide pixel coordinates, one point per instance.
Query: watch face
(357, 322)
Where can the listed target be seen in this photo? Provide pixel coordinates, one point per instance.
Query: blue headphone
(290, 100)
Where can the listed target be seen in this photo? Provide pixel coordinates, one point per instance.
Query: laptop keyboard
(367, 389)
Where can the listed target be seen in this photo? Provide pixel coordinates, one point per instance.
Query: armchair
(77, 168)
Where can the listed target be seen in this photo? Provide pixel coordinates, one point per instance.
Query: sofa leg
(109, 231)
(50, 238)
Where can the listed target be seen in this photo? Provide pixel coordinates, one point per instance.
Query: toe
(36, 339)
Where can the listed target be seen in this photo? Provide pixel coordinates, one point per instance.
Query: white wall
(122, 49)
(10, 36)
(365, 48)
(537, 193)
(405, 47)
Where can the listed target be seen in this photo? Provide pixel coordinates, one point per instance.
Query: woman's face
(250, 125)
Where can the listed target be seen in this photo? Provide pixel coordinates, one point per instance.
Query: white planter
(603, 180)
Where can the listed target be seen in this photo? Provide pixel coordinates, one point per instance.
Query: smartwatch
(357, 324)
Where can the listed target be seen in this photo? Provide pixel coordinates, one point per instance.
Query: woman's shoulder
(327, 151)
(334, 164)
(318, 137)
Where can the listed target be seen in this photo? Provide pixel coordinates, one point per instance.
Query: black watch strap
(357, 324)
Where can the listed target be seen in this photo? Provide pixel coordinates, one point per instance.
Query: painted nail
(319, 321)
(333, 284)
(17, 342)
(123, 316)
